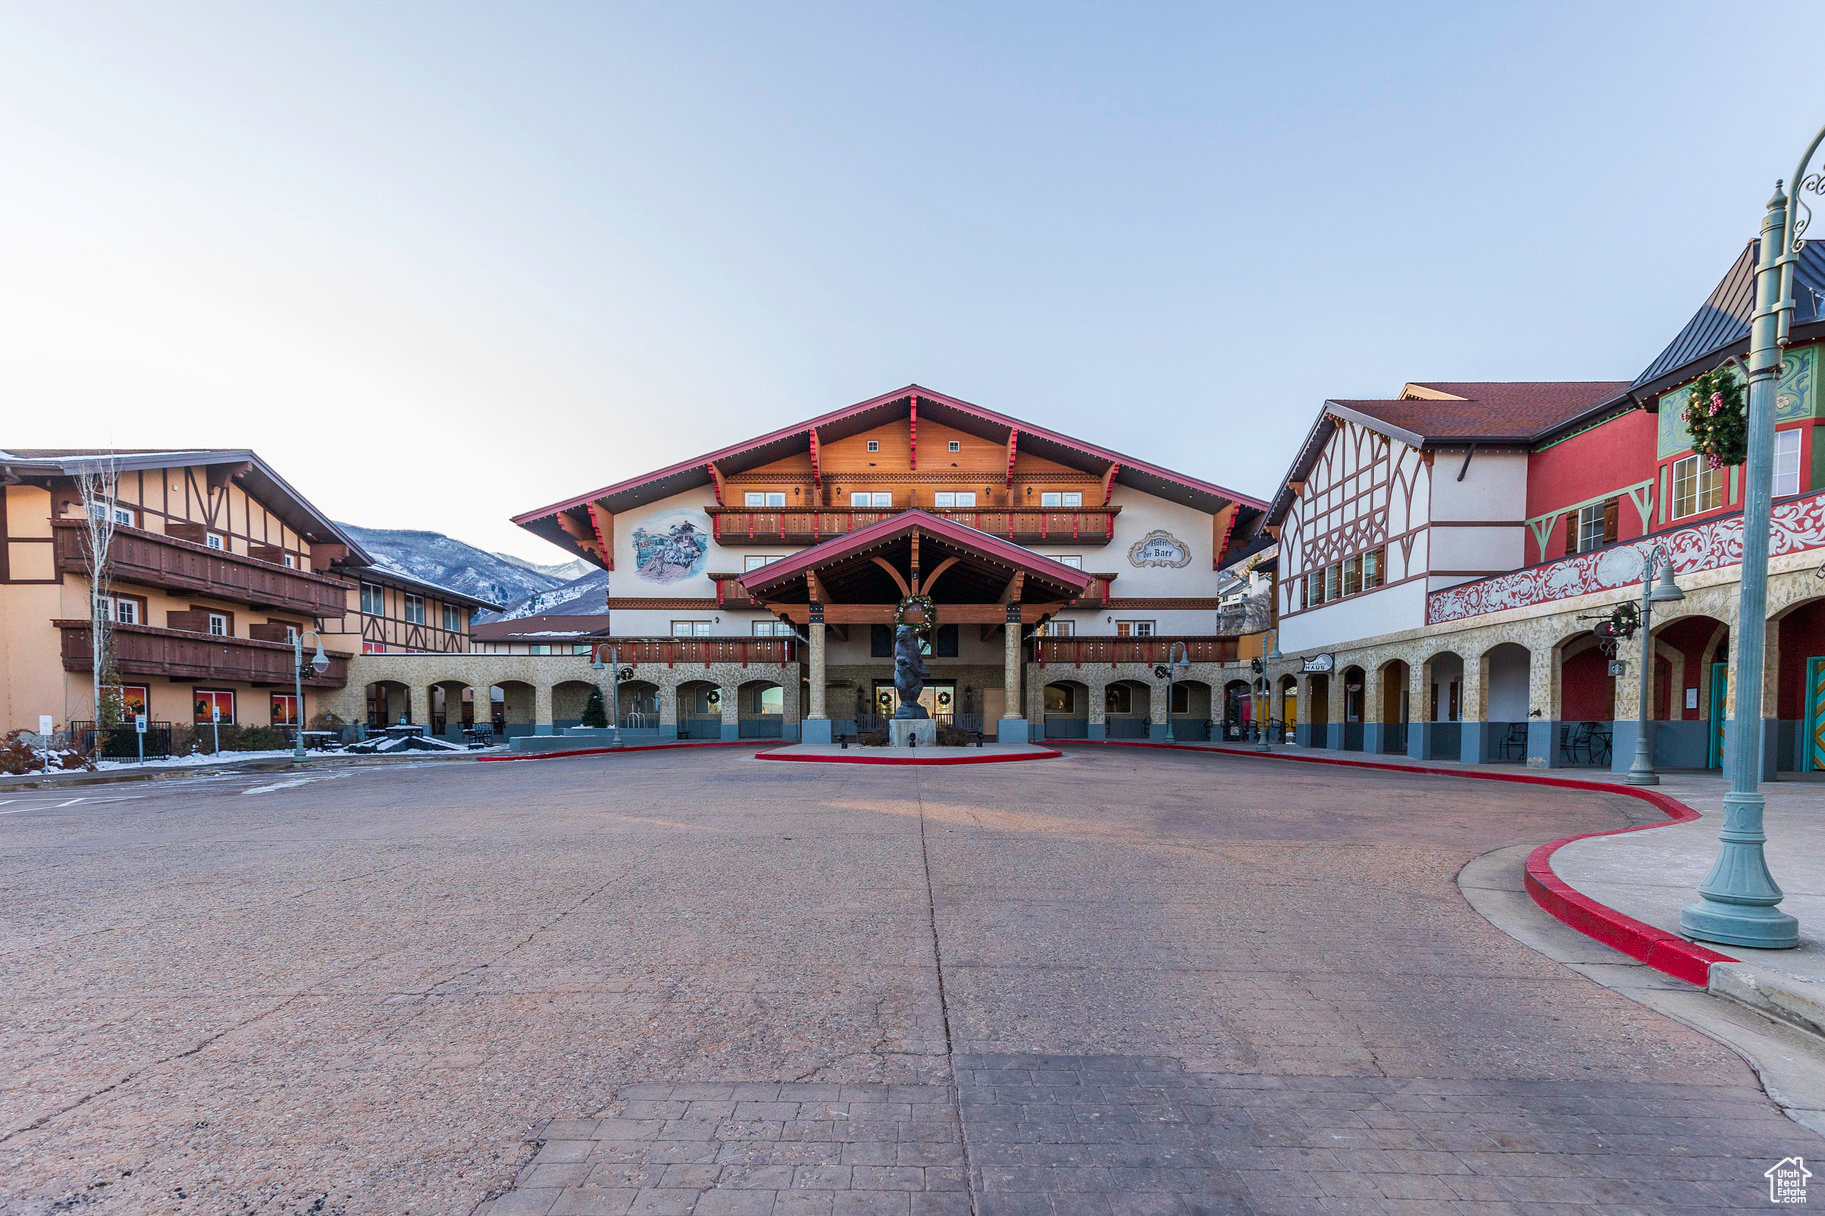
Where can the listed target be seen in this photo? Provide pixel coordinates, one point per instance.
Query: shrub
(20, 753)
(951, 736)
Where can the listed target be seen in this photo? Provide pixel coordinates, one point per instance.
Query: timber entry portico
(975, 582)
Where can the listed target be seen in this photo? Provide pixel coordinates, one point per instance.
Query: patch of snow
(192, 761)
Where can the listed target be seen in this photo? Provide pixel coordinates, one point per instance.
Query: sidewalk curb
(266, 764)
(1663, 951)
(615, 751)
(1047, 754)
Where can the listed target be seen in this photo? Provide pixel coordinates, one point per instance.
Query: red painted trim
(603, 751)
(1663, 951)
(1047, 754)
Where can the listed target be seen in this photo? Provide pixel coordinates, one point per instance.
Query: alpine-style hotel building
(1435, 562)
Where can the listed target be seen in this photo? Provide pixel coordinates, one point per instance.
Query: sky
(440, 264)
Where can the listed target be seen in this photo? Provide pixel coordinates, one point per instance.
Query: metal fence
(121, 742)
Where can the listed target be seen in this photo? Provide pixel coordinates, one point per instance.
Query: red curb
(604, 751)
(1663, 951)
(1047, 754)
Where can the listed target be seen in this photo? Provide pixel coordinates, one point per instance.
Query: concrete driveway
(1117, 981)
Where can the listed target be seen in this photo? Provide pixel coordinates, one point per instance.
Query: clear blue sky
(442, 263)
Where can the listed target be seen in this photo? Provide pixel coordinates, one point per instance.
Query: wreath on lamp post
(1717, 418)
(923, 604)
(1624, 620)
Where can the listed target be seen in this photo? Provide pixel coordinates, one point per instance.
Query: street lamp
(1264, 725)
(1175, 657)
(614, 691)
(319, 664)
(1737, 900)
(1666, 591)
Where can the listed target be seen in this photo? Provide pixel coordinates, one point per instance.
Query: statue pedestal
(900, 730)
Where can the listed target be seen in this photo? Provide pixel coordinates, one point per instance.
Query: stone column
(1543, 697)
(1096, 713)
(1419, 710)
(1334, 710)
(541, 710)
(1302, 690)
(817, 722)
(1159, 710)
(1013, 725)
(1473, 742)
(1372, 709)
(731, 713)
(668, 711)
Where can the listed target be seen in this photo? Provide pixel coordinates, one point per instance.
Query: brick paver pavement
(1133, 983)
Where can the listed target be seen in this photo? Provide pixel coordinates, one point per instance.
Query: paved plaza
(1117, 981)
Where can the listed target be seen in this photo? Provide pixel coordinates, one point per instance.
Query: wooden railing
(673, 651)
(142, 650)
(730, 594)
(1080, 650)
(1074, 525)
(1096, 592)
(138, 556)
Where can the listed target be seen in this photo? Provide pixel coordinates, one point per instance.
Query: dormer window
(956, 446)
(874, 445)
(215, 540)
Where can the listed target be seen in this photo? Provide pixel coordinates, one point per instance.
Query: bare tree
(98, 481)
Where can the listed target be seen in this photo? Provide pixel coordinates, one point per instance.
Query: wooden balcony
(730, 595)
(142, 650)
(152, 560)
(1095, 593)
(808, 525)
(1078, 651)
(672, 652)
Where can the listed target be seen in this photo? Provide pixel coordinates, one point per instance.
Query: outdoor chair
(1514, 743)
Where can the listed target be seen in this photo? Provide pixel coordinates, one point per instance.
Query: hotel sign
(1159, 548)
(1319, 662)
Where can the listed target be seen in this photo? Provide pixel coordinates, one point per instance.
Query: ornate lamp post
(1264, 725)
(614, 691)
(320, 663)
(1666, 591)
(1175, 658)
(1738, 900)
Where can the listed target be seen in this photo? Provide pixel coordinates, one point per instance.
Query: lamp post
(1666, 591)
(1264, 724)
(320, 663)
(1738, 900)
(614, 692)
(1175, 657)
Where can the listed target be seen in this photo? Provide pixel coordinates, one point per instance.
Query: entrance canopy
(970, 576)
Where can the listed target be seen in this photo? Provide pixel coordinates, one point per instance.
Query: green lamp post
(1738, 901)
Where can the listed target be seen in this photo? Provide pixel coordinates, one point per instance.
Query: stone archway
(1066, 709)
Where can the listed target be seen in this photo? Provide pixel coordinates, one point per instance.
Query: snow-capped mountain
(585, 596)
(448, 562)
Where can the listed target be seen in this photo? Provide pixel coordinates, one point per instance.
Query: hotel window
(764, 498)
(1118, 699)
(539, 648)
(1374, 569)
(218, 625)
(215, 540)
(209, 705)
(284, 709)
(122, 515)
(1061, 699)
(291, 561)
(1331, 583)
(415, 609)
(581, 648)
(754, 561)
(1590, 527)
(880, 498)
(453, 618)
(1181, 698)
(956, 445)
(874, 445)
(1057, 629)
(1352, 575)
(1061, 498)
(1786, 462)
(1134, 629)
(1696, 487)
(127, 611)
(1314, 588)
(691, 629)
(957, 498)
(373, 599)
(771, 629)
(1073, 560)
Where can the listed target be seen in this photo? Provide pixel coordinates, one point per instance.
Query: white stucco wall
(1494, 489)
(1342, 622)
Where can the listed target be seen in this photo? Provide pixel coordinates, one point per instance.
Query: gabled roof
(1453, 413)
(1047, 579)
(257, 478)
(1720, 327)
(866, 415)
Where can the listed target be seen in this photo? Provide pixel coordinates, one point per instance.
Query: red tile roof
(1489, 411)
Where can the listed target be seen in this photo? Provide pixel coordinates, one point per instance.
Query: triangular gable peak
(920, 420)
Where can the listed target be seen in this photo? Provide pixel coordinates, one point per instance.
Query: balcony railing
(808, 525)
(675, 651)
(142, 650)
(1080, 650)
(138, 556)
(729, 593)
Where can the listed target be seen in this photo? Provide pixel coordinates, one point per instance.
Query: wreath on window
(924, 604)
(1624, 620)
(1718, 419)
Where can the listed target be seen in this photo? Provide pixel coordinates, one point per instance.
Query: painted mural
(1794, 398)
(1797, 524)
(671, 547)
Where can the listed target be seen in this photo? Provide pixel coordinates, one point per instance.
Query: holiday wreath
(1716, 418)
(922, 603)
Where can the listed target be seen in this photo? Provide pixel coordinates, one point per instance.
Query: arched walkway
(762, 709)
(699, 710)
(1316, 728)
(1441, 718)
(1238, 710)
(1395, 709)
(1286, 708)
(639, 706)
(1797, 643)
(1190, 711)
(389, 703)
(516, 709)
(1355, 689)
(1127, 709)
(568, 699)
(1586, 714)
(1067, 710)
(1689, 699)
(1507, 670)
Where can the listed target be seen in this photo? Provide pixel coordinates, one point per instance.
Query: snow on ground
(193, 761)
